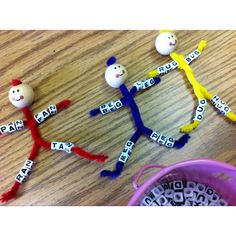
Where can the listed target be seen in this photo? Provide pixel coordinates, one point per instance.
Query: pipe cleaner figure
(21, 96)
(165, 44)
(115, 76)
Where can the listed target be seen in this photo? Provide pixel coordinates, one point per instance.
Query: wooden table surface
(71, 64)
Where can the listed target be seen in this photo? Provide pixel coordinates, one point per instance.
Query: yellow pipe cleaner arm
(201, 47)
(197, 87)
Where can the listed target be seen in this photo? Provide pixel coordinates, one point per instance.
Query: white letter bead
(215, 99)
(202, 102)
(52, 109)
(162, 140)
(165, 186)
(203, 199)
(148, 83)
(225, 110)
(128, 151)
(147, 201)
(129, 144)
(209, 192)
(178, 197)
(220, 105)
(191, 184)
(19, 124)
(222, 202)
(124, 157)
(188, 192)
(118, 104)
(20, 178)
(111, 106)
(178, 185)
(61, 146)
(170, 142)
(187, 203)
(25, 171)
(28, 164)
(215, 198)
(104, 109)
(138, 85)
(169, 193)
(3, 129)
(200, 110)
(161, 70)
(154, 203)
(174, 64)
(45, 113)
(154, 136)
(39, 117)
(158, 190)
(192, 56)
(162, 200)
(200, 188)
(68, 147)
(11, 127)
(152, 195)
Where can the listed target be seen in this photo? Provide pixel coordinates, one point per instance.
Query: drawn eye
(168, 37)
(119, 66)
(114, 67)
(18, 90)
(172, 36)
(13, 91)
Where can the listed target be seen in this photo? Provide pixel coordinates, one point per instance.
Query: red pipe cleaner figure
(22, 96)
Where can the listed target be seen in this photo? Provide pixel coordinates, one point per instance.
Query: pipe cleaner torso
(20, 95)
(200, 91)
(129, 101)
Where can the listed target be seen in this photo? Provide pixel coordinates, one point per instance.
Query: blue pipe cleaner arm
(115, 76)
(107, 107)
(144, 84)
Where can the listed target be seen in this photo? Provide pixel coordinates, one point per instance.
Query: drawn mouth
(117, 75)
(173, 44)
(21, 98)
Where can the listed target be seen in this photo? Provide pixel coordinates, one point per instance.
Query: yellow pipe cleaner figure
(165, 44)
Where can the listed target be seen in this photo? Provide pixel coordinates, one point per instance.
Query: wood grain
(71, 64)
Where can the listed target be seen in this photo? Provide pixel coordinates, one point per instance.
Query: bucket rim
(162, 172)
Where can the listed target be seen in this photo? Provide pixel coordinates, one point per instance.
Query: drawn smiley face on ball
(166, 43)
(115, 74)
(21, 95)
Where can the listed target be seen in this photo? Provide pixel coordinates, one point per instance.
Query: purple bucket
(217, 175)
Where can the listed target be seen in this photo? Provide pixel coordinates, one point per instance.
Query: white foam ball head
(21, 95)
(116, 75)
(166, 43)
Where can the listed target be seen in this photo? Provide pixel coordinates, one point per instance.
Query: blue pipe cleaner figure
(115, 76)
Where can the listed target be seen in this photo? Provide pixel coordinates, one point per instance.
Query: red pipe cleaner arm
(50, 111)
(12, 193)
(13, 127)
(92, 157)
(63, 104)
(77, 150)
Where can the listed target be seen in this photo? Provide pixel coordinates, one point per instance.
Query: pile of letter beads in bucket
(182, 193)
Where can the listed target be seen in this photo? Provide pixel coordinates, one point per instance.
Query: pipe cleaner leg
(69, 147)
(220, 105)
(124, 156)
(166, 141)
(22, 175)
(198, 117)
(199, 112)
